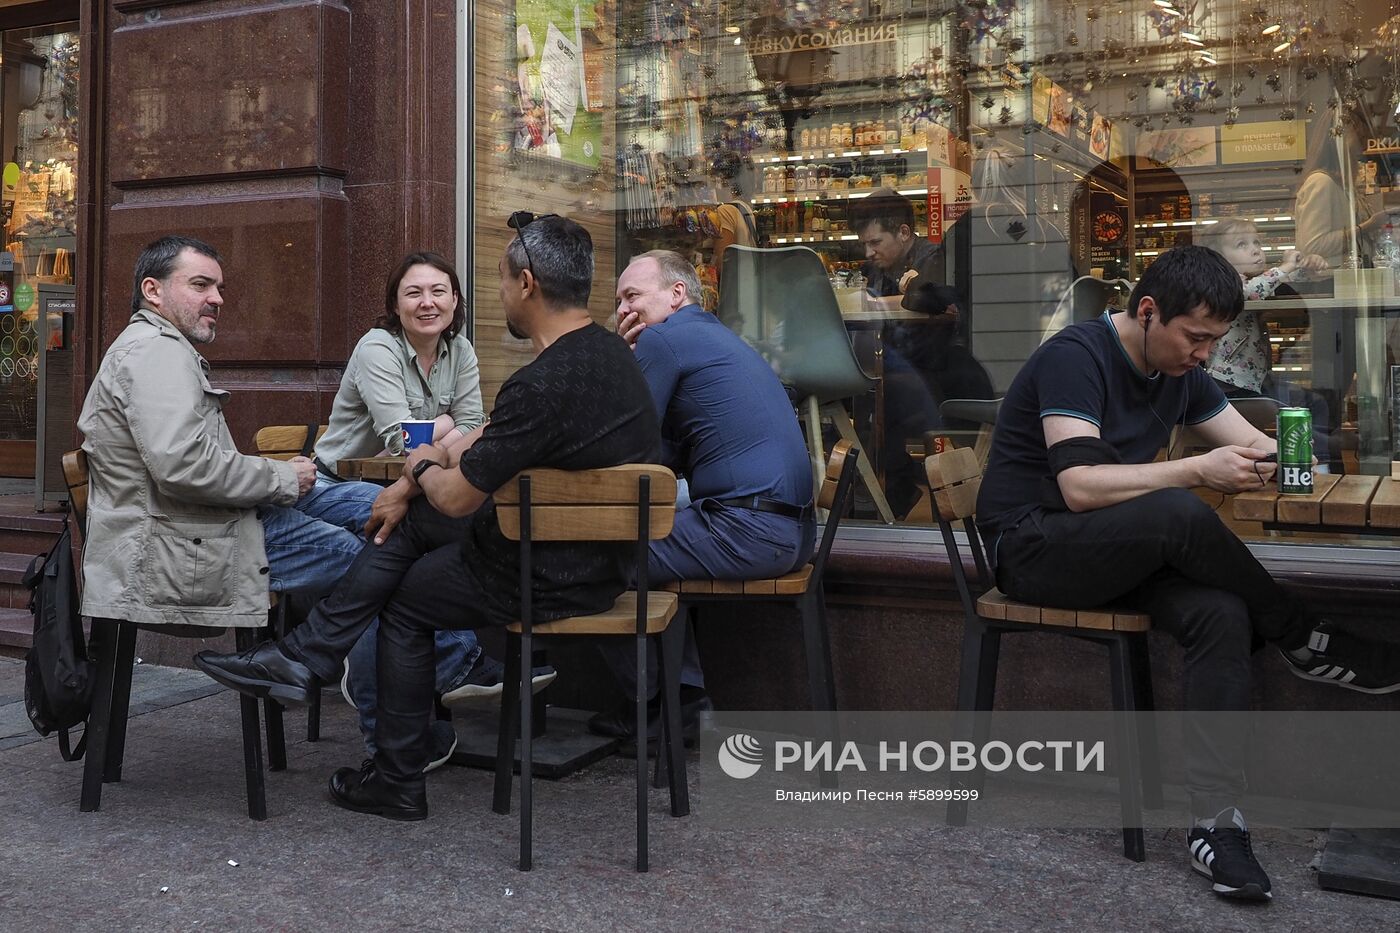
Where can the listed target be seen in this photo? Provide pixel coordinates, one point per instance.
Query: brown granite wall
(313, 142)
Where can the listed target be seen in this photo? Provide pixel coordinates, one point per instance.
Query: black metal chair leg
(1129, 778)
(508, 726)
(276, 736)
(252, 739)
(121, 702)
(822, 687)
(641, 701)
(1149, 753)
(313, 718)
(977, 682)
(527, 789)
(104, 638)
(673, 749)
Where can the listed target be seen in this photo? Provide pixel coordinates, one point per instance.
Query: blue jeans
(347, 505)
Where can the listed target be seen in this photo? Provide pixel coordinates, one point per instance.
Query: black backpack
(58, 674)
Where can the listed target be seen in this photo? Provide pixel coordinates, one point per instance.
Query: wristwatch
(423, 465)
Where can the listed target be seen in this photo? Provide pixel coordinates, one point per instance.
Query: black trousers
(416, 583)
(1168, 554)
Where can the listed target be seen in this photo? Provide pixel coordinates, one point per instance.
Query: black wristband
(421, 467)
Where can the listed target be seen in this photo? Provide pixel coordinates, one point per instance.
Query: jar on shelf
(805, 139)
(822, 137)
(823, 177)
(891, 133)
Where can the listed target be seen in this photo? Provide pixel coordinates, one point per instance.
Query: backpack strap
(746, 212)
(68, 751)
(308, 446)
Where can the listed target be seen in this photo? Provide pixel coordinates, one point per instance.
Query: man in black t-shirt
(1078, 512)
(439, 559)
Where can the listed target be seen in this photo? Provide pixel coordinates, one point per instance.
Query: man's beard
(515, 331)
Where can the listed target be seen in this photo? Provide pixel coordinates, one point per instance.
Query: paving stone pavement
(160, 854)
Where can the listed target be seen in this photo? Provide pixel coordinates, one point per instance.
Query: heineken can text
(1295, 467)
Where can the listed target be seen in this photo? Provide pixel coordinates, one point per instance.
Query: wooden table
(383, 470)
(1363, 505)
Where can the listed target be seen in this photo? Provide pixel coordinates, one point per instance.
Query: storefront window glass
(38, 153)
(970, 179)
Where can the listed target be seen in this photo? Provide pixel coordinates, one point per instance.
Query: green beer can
(1295, 443)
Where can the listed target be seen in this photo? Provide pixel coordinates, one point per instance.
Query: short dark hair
(887, 208)
(1183, 278)
(157, 261)
(390, 318)
(559, 253)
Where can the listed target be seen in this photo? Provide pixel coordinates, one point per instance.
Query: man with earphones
(1078, 512)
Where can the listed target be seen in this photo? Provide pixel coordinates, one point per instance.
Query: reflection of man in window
(885, 224)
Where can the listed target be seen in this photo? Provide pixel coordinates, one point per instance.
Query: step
(13, 594)
(25, 531)
(16, 629)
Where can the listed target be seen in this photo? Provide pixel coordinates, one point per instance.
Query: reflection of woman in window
(1324, 215)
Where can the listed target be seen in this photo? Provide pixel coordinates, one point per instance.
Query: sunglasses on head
(518, 221)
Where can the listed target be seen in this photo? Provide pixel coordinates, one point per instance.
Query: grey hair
(559, 253)
(673, 268)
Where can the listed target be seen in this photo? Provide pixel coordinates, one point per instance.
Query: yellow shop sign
(1269, 141)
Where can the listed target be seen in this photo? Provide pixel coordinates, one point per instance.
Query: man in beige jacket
(182, 528)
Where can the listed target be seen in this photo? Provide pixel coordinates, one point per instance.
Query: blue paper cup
(416, 433)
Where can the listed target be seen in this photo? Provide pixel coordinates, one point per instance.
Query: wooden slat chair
(632, 503)
(113, 647)
(283, 442)
(802, 588)
(954, 478)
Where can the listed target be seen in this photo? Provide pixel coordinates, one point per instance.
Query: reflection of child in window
(1242, 358)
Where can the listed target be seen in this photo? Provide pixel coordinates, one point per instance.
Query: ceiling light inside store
(1281, 46)
(1197, 43)
(731, 29)
(1270, 30)
(738, 40)
(1190, 36)
(1172, 11)
(1166, 4)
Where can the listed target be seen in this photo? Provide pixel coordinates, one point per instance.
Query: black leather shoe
(261, 671)
(364, 791)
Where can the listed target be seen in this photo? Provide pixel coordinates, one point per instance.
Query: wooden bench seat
(621, 619)
(994, 604)
(787, 585)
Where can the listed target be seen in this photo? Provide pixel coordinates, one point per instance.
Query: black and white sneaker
(345, 685)
(482, 687)
(1220, 850)
(444, 742)
(1347, 661)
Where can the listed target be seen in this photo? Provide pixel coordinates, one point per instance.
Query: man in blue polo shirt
(1078, 512)
(728, 427)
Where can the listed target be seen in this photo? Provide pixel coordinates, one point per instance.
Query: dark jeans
(416, 583)
(1168, 554)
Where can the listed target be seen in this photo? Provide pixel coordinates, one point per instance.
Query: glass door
(38, 228)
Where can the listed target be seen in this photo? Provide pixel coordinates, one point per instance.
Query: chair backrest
(285, 441)
(1259, 411)
(838, 486)
(954, 478)
(75, 475)
(588, 505)
(781, 301)
(982, 411)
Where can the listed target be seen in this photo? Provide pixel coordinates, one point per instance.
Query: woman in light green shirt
(414, 363)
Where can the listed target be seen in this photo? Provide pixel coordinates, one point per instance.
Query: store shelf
(849, 195)
(1208, 221)
(845, 153)
(822, 237)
